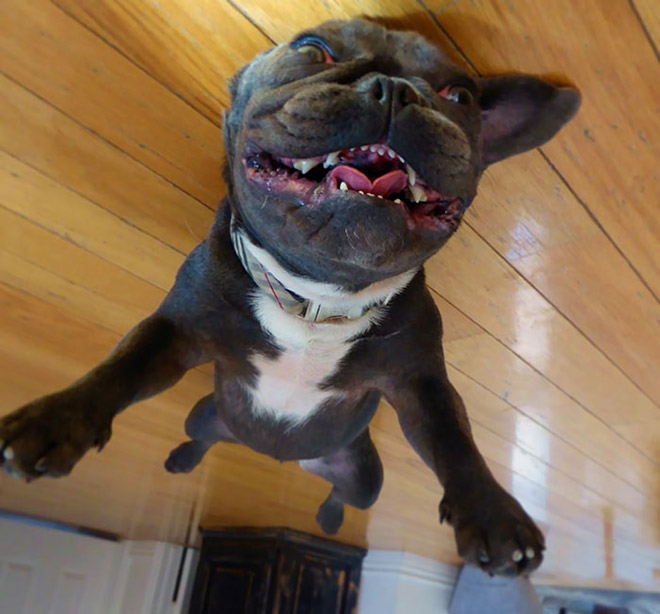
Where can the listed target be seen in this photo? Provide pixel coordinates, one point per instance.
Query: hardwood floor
(110, 173)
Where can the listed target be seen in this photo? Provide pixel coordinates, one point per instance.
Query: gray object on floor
(477, 593)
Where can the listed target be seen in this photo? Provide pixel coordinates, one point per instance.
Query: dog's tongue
(390, 183)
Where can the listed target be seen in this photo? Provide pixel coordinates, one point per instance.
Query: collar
(306, 309)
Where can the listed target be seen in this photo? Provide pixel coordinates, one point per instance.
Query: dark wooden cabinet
(275, 571)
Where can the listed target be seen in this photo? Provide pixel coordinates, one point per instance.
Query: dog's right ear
(519, 113)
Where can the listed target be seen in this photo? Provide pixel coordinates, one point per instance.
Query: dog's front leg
(491, 528)
(49, 435)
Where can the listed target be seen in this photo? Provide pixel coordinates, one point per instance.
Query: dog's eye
(315, 49)
(457, 93)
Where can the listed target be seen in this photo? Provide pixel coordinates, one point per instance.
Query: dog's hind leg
(205, 428)
(356, 474)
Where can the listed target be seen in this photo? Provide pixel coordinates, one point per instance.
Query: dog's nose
(390, 92)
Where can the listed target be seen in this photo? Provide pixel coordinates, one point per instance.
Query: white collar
(311, 300)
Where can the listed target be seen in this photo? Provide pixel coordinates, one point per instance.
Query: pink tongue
(392, 182)
(354, 178)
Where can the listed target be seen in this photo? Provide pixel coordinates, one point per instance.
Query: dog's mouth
(374, 172)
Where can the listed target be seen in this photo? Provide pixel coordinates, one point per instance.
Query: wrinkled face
(354, 151)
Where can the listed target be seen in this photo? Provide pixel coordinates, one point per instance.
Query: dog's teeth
(398, 201)
(361, 192)
(381, 151)
(379, 196)
(331, 159)
(373, 149)
(401, 159)
(304, 166)
(364, 147)
(391, 154)
(343, 187)
(412, 176)
(418, 193)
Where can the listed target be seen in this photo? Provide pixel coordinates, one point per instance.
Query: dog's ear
(520, 112)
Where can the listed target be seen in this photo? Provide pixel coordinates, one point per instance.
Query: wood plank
(491, 293)
(35, 197)
(649, 15)
(106, 93)
(192, 48)
(31, 131)
(551, 241)
(608, 154)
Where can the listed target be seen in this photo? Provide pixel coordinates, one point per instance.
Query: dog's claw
(41, 465)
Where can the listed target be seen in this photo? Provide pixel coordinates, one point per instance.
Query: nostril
(379, 90)
(404, 94)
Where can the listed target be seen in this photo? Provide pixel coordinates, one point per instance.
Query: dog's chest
(291, 385)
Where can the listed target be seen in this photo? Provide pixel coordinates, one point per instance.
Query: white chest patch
(289, 385)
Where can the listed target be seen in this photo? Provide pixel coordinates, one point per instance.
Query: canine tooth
(343, 187)
(331, 159)
(412, 176)
(419, 195)
(306, 165)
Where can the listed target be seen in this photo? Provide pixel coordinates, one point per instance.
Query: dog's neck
(311, 300)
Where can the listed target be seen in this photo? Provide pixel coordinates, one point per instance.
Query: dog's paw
(49, 436)
(495, 534)
(184, 458)
(331, 516)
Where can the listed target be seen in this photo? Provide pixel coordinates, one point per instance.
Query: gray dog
(352, 155)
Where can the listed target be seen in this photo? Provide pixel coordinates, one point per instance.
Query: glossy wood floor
(111, 146)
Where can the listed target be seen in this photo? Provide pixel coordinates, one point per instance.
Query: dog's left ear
(519, 113)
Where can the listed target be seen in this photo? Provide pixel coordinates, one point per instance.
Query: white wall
(48, 571)
(403, 583)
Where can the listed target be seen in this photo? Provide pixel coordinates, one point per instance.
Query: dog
(353, 153)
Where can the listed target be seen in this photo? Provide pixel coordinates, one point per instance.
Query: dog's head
(354, 151)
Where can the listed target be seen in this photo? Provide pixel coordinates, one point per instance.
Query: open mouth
(374, 172)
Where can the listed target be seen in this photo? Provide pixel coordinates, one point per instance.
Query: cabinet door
(316, 583)
(233, 581)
